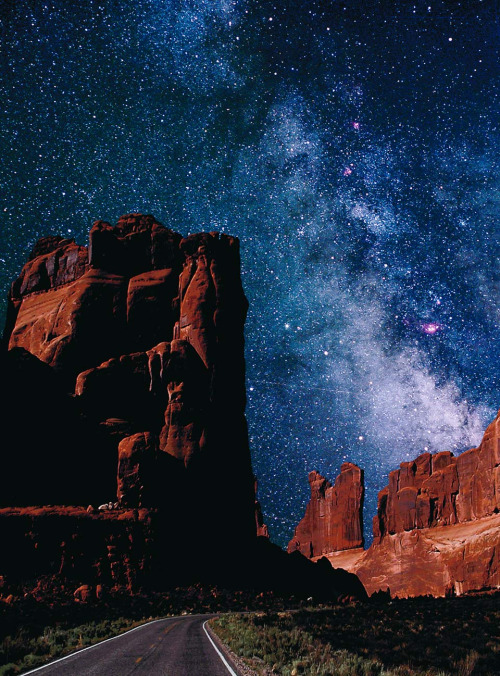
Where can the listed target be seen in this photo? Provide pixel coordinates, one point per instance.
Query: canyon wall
(437, 528)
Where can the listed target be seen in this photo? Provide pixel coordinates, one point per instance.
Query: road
(176, 646)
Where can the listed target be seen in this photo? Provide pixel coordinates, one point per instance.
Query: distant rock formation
(441, 489)
(437, 528)
(334, 515)
(436, 561)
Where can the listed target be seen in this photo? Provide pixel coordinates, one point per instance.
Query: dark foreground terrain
(459, 636)
(405, 637)
(35, 631)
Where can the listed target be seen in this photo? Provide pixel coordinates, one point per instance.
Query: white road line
(225, 662)
(67, 657)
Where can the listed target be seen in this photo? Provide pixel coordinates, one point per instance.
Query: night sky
(352, 147)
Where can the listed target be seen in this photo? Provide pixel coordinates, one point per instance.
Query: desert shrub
(466, 666)
(413, 637)
(23, 651)
(9, 669)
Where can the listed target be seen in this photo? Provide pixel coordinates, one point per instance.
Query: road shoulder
(237, 664)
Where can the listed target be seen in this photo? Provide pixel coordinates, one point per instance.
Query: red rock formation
(86, 553)
(441, 489)
(137, 456)
(128, 357)
(437, 528)
(74, 308)
(117, 549)
(440, 560)
(147, 329)
(334, 515)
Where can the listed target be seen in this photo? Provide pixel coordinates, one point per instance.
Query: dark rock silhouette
(261, 528)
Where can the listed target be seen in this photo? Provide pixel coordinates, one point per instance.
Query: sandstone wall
(143, 332)
(437, 528)
(334, 515)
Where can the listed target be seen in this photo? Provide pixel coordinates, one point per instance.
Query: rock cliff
(124, 389)
(138, 341)
(79, 546)
(441, 489)
(437, 528)
(334, 515)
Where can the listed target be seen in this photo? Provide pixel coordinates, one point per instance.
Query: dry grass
(413, 637)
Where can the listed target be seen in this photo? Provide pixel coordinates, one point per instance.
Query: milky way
(353, 148)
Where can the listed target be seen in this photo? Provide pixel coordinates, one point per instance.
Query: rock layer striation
(437, 528)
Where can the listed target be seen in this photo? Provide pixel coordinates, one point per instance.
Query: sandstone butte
(143, 329)
(437, 528)
(334, 515)
(124, 383)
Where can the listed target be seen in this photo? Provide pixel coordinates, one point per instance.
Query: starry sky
(351, 146)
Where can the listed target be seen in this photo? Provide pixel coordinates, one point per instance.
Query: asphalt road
(177, 646)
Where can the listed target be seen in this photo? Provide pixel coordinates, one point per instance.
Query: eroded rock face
(74, 307)
(92, 552)
(137, 464)
(334, 515)
(439, 561)
(437, 528)
(441, 489)
(116, 549)
(146, 329)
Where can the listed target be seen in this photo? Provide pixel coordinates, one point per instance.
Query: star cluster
(352, 147)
